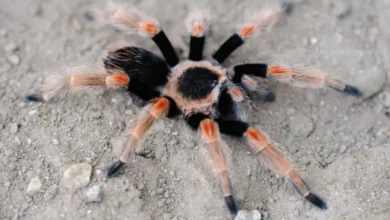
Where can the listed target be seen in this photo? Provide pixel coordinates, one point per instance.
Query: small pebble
(301, 125)
(141, 186)
(167, 216)
(18, 141)
(385, 99)
(14, 128)
(77, 175)
(13, 59)
(93, 194)
(343, 148)
(245, 215)
(3, 32)
(296, 213)
(35, 9)
(313, 40)
(34, 186)
(11, 47)
(341, 9)
(56, 142)
(161, 203)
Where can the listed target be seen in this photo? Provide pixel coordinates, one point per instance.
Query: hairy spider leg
(158, 109)
(298, 76)
(267, 149)
(210, 135)
(265, 19)
(77, 79)
(132, 20)
(197, 23)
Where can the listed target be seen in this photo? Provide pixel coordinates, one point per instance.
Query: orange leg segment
(157, 110)
(211, 136)
(262, 145)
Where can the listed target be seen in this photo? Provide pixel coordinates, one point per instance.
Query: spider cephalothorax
(195, 86)
(204, 92)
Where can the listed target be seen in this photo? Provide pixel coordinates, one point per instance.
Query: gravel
(77, 175)
(13, 59)
(14, 128)
(34, 186)
(245, 215)
(93, 194)
(11, 47)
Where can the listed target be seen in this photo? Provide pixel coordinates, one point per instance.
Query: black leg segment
(234, 128)
(115, 169)
(231, 44)
(232, 205)
(196, 48)
(256, 69)
(166, 48)
(195, 119)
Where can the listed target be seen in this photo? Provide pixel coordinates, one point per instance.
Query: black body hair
(234, 128)
(146, 70)
(195, 119)
(197, 83)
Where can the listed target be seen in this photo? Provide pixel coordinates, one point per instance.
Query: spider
(203, 92)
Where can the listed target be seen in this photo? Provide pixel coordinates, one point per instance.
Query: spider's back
(148, 72)
(195, 86)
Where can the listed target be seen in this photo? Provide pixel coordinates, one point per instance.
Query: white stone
(245, 215)
(34, 186)
(11, 47)
(93, 194)
(77, 175)
(13, 59)
(301, 125)
(14, 128)
(385, 98)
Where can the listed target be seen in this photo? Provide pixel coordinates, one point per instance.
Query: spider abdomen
(147, 71)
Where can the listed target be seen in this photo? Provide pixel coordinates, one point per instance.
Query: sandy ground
(339, 144)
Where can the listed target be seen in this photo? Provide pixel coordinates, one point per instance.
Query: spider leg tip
(315, 200)
(269, 97)
(232, 205)
(353, 91)
(115, 169)
(33, 98)
(287, 7)
(89, 16)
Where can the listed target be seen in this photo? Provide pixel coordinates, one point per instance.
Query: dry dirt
(339, 144)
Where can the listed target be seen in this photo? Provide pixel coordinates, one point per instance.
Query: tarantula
(203, 92)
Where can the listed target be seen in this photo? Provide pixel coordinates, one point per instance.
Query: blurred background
(339, 144)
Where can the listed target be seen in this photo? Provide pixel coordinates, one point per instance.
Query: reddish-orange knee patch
(209, 129)
(160, 107)
(236, 94)
(198, 30)
(117, 80)
(258, 137)
(149, 28)
(247, 31)
(279, 70)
